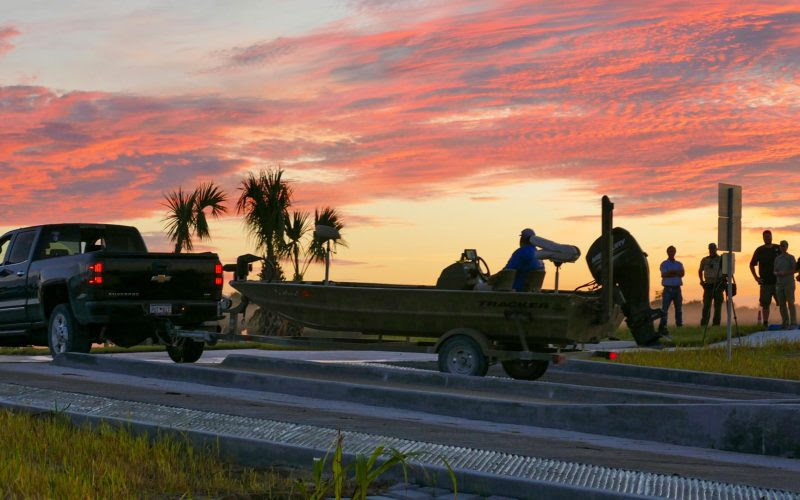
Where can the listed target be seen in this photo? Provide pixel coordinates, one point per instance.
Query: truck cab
(98, 282)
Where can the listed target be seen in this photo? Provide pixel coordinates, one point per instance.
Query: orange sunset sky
(432, 125)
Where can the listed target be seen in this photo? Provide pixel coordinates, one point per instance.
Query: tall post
(327, 260)
(607, 290)
(730, 269)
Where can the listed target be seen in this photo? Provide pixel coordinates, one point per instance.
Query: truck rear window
(72, 240)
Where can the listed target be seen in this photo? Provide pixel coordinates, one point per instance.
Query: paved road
(368, 409)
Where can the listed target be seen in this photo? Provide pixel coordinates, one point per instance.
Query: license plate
(161, 309)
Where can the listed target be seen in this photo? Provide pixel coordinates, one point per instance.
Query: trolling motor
(557, 253)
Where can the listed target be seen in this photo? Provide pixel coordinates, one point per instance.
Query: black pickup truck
(70, 285)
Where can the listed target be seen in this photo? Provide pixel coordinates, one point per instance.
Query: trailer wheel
(185, 350)
(525, 370)
(65, 334)
(463, 356)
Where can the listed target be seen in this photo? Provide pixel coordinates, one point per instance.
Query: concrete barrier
(496, 386)
(682, 376)
(756, 427)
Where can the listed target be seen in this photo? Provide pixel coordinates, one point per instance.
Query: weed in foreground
(366, 471)
(46, 456)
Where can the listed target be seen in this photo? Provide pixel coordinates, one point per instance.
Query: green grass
(112, 349)
(774, 360)
(692, 336)
(48, 457)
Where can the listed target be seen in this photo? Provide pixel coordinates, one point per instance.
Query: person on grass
(764, 256)
(713, 283)
(672, 280)
(784, 265)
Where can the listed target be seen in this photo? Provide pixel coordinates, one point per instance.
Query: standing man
(764, 256)
(671, 277)
(785, 264)
(713, 282)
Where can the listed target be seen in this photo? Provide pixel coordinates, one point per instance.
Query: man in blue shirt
(524, 260)
(671, 278)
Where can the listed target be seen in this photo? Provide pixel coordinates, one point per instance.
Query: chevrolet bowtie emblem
(160, 278)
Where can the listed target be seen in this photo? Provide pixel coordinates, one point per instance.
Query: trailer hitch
(173, 332)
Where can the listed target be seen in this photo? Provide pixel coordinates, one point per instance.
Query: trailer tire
(525, 370)
(65, 334)
(461, 355)
(185, 350)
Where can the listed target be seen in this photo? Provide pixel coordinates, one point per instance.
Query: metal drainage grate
(320, 438)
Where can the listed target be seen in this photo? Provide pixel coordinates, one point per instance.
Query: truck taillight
(218, 279)
(96, 273)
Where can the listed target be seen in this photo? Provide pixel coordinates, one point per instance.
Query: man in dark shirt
(764, 256)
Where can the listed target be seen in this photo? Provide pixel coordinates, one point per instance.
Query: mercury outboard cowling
(632, 280)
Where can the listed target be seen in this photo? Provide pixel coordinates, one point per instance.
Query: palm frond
(326, 216)
(297, 226)
(264, 201)
(207, 196)
(180, 220)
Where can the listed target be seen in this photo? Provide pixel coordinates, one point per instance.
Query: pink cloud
(656, 103)
(6, 34)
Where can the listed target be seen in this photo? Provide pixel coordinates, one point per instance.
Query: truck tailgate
(159, 276)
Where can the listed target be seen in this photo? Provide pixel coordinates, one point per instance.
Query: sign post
(729, 237)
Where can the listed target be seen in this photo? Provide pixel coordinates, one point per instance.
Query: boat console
(468, 273)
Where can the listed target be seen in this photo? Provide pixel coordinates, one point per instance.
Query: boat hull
(418, 311)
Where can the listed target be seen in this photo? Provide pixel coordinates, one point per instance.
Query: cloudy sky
(432, 125)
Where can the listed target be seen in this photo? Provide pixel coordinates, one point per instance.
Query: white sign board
(728, 264)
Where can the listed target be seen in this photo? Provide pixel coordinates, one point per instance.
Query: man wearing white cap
(524, 259)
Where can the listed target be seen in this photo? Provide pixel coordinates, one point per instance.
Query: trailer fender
(469, 332)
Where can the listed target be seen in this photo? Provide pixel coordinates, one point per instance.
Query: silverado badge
(160, 278)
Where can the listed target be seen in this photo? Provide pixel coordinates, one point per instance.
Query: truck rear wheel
(185, 350)
(463, 356)
(65, 334)
(525, 369)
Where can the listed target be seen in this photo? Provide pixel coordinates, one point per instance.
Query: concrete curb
(545, 390)
(258, 453)
(682, 376)
(761, 428)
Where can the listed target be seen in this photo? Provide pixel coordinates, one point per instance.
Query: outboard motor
(632, 280)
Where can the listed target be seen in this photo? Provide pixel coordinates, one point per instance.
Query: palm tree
(264, 201)
(316, 249)
(186, 216)
(180, 219)
(207, 196)
(297, 226)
